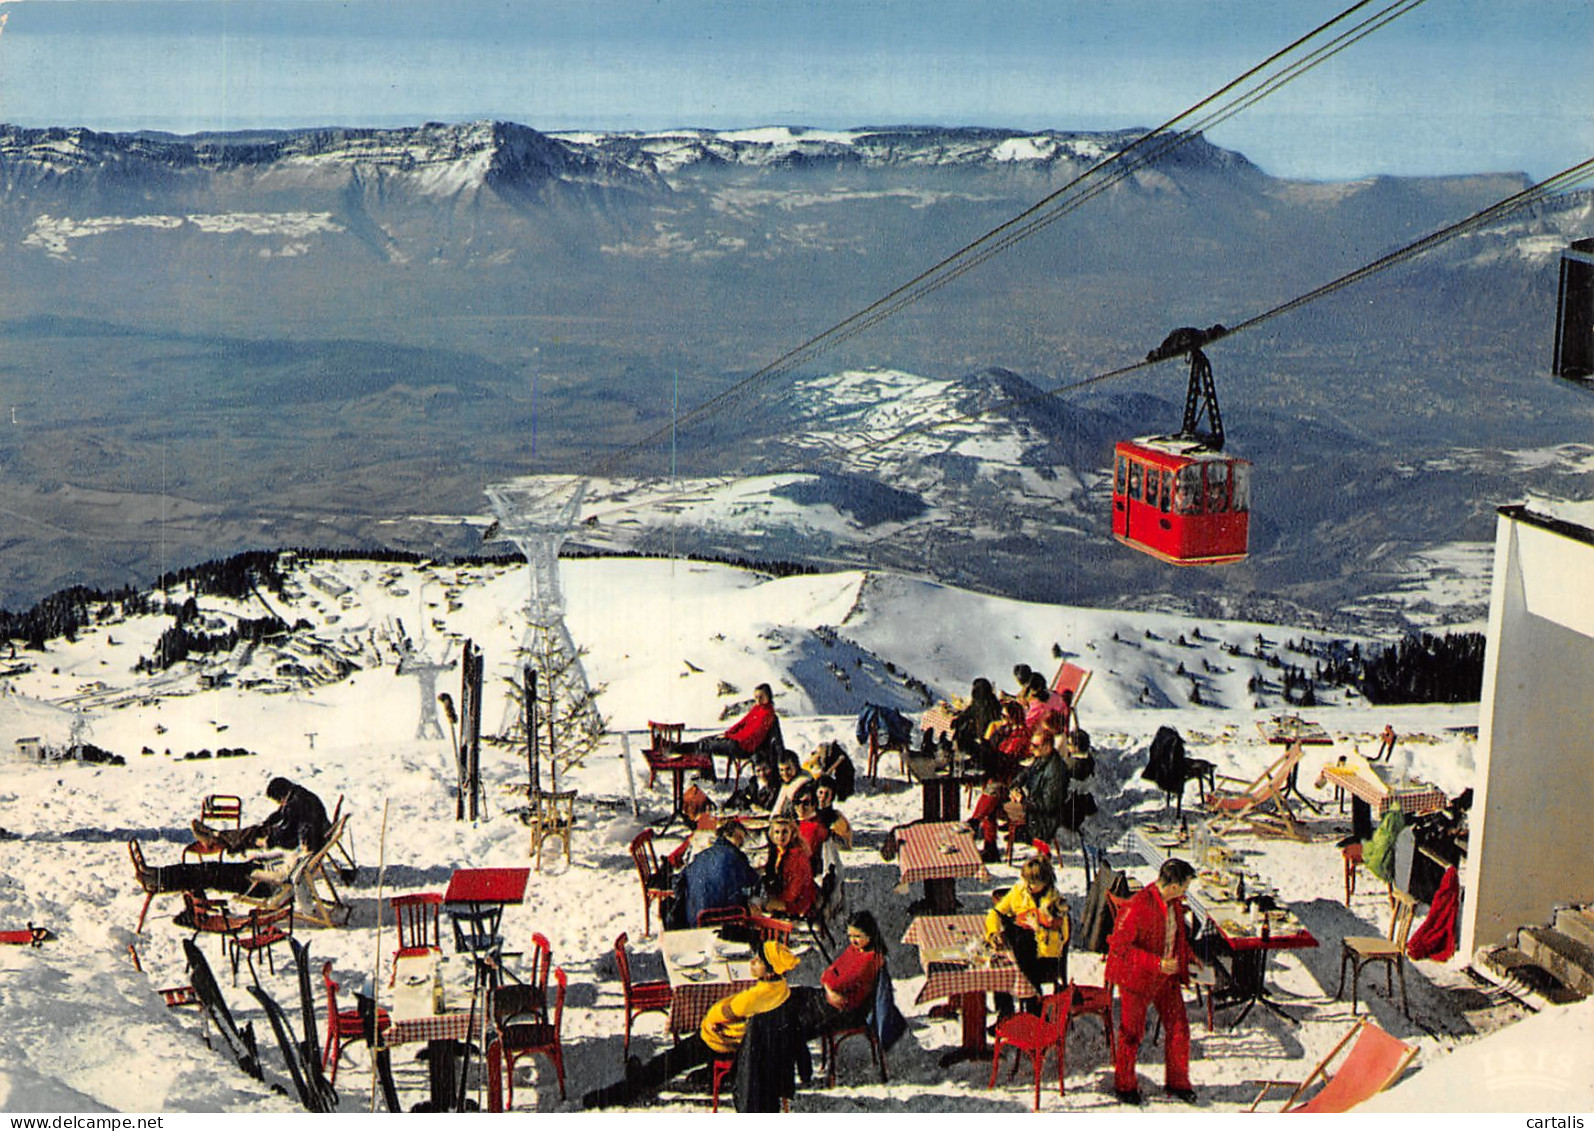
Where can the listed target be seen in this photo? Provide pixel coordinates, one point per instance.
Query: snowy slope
(664, 639)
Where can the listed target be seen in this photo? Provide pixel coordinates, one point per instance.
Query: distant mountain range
(336, 337)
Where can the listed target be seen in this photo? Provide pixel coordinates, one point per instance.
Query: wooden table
(937, 854)
(1249, 939)
(944, 943)
(943, 786)
(698, 985)
(678, 766)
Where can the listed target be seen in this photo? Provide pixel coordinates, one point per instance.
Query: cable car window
(1134, 479)
(1153, 484)
(1242, 487)
(1164, 490)
(1187, 489)
(1217, 488)
(1120, 475)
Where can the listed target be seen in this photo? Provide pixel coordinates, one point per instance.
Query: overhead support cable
(1253, 85)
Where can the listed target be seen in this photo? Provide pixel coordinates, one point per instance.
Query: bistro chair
(520, 1019)
(261, 930)
(654, 890)
(342, 1025)
(1359, 951)
(640, 997)
(830, 1043)
(417, 917)
(1025, 1033)
(216, 809)
(663, 738)
(553, 817)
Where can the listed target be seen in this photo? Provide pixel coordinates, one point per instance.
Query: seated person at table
(1038, 702)
(988, 808)
(792, 780)
(299, 822)
(830, 759)
(1021, 674)
(827, 815)
(1033, 919)
(846, 989)
(719, 876)
(1043, 787)
(745, 736)
(721, 1034)
(975, 717)
(758, 795)
(1008, 741)
(789, 888)
(810, 828)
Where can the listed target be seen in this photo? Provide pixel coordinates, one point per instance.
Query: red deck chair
(1374, 1062)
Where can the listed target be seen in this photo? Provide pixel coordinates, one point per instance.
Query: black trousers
(208, 875)
(1037, 969)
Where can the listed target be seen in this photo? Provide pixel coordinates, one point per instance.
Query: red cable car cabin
(1178, 500)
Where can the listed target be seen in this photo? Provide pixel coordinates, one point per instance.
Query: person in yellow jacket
(720, 1035)
(1032, 918)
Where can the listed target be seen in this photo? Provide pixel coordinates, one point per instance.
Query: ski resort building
(1529, 845)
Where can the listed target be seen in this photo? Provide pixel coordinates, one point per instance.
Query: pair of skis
(301, 1057)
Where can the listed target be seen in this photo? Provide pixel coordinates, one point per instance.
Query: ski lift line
(843, 331)
(1568, 178)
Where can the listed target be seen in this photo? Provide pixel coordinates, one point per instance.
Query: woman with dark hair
(975, 717)
(846, 989)
(788, 872)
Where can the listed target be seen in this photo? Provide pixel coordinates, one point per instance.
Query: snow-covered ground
(84, 1031)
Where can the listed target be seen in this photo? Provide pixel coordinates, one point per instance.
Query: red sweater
(795, 872)
(853, 975)
(751, 729)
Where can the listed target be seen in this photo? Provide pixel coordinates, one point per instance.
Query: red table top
(487, 885)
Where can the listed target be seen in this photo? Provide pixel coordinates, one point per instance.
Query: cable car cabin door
(1180, 503)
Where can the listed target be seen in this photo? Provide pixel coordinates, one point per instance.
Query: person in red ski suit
(1149, 960)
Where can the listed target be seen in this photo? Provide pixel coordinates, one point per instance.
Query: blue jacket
(719, 876)
(893, 725)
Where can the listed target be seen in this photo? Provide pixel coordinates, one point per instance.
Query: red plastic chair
(662, 738)
(640, 997)
(343, 1025)
(722, 1068)
(647, 868)
(522, 1038)
(1088, 1001)
(722, 917)
(767, 928)
(1026, 1033)
(262, 930)
(831, 1041)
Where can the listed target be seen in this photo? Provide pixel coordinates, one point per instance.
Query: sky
(1453, 86)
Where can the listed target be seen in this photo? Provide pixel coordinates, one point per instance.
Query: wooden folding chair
(1374, 1062)
(318, 899)
(1260, 806)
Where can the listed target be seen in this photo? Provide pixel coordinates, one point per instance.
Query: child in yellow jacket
(1032, 918)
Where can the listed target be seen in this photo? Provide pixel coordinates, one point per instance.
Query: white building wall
(1532, 840)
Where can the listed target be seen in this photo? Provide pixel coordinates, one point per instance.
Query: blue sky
(1456, 86)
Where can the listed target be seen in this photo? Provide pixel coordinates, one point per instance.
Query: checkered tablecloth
(937, 719)
(699, 986)
(1414, 799)
(441, 1027)
(938, 937)
(923, 854)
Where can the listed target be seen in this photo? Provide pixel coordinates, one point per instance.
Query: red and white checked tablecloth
(441, 1027)
(1414, 799)
(937, 719)
(947, 934)
(924, 853)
